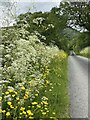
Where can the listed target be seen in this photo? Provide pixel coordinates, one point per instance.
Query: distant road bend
(78, 76)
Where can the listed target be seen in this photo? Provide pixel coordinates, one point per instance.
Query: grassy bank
(35, 80)
(85, 52)
(34, 83)
(58, 94)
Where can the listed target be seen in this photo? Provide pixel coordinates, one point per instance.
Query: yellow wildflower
(0, 98)
(41, 110)
(13, 95)
(51, 117)
(47, 111)
(24, 112)
(22, 108)
(53, 113)
(22, 88)
(45, 103)
(17, 98)
(32, 106)
(26, 96)
(45, 98)
(42, 103)
(18, 102)
(8, 114)
(11, 106)
(47, 81)
(29, 112)
(15, 107)
(27, 93)
(3, 111)
(10, 90)
(28, 106)
(34, 103)
(36, 94)
(38, 106)
(15, 92)
(9, 103)
(46, 108)
(31, 118)
(20, 113)
(44, 113)
(6, 92)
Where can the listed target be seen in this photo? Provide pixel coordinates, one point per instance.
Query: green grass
(58, 95)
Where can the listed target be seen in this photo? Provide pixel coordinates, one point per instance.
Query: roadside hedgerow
(24, 69)
(85, 52)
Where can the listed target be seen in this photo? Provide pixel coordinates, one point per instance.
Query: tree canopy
(62, 26)
(78, 14)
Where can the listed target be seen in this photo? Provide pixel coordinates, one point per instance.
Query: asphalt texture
(78, 75)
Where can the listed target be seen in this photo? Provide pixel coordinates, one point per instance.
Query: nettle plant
(25, 63)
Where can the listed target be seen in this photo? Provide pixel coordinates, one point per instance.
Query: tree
(79, 19)
(48, 26)
(8, 12)
(78, 14)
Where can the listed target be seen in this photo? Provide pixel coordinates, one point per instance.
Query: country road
(78, 76)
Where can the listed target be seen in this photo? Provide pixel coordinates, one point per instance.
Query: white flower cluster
(51, 25)
(39, 35)
(38, 20)
(25, 59)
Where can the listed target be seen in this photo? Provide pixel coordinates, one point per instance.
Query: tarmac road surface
(78, 76)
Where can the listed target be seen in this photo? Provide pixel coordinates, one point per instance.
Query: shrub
(85, 52)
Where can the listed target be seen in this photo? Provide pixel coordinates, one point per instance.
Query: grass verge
(58, 94)
(85, 52)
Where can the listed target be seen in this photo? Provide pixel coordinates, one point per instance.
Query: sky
(36, 6)
(23, 6)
